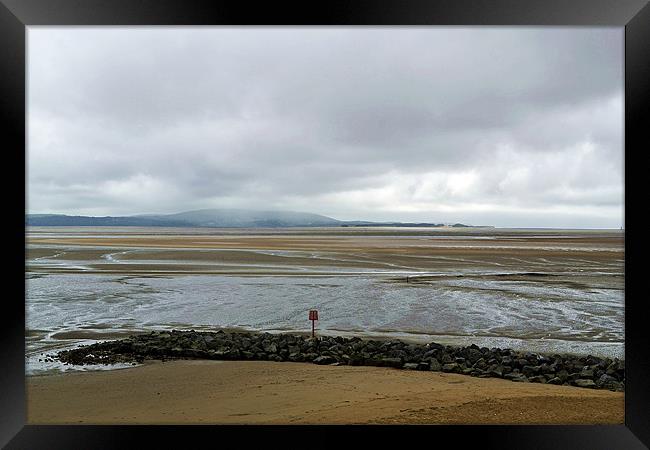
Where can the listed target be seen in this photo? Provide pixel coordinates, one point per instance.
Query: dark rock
(445, 359)
(480, 364)
(608, 382)
(430, 354)
(311, 356)
(514, 376)
(584, 383)
(270, 347)
(615, 386)
(451, 367)
(496, 371)
(586, 372)
(233, 354)
(520, 363)
(537, 379)
(296, 357)
(530, 370)
(563, 375)
(436, 346)
(390, 362)
(544, 368)
(434, 365)
(573, 376)
(397, 354)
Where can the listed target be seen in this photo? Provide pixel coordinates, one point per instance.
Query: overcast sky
(505, 126)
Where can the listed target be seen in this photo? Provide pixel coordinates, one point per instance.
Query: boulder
(514, 376)
(537, 379)
(586, 372)
(270, 347)
(586, 383)
(605, 380)
(434, 365)
(496, 371)
(321, 360)
(445, 358)
(615, 386)
(390, 362)
(435, 346)
(562, 375)
(480, 364)
(530, 370)
(451, 367)
(545, 368)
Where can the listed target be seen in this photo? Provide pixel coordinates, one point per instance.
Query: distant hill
(355, 223)
(47, 220)
(216, 218)
(245, 218)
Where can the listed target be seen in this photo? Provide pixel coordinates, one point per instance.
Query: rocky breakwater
(581, 371)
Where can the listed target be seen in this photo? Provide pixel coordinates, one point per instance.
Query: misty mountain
(218, 218)
(245, 218)
(47, 220)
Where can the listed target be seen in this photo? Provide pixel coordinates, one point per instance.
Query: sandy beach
(262, 392)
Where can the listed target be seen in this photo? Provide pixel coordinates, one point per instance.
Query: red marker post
(313, 316)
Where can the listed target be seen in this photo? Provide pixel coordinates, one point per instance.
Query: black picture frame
(16, 15)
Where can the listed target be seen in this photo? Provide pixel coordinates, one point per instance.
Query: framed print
(347, 218)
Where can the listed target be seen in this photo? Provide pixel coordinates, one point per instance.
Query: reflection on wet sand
(533, 289)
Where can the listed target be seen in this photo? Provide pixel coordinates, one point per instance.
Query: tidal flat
(526, 289)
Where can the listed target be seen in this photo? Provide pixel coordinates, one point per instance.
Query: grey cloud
(325, 118)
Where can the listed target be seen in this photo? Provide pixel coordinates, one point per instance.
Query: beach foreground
(263, 392)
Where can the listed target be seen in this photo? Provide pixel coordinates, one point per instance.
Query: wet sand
(282, 254)
(256, 392)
